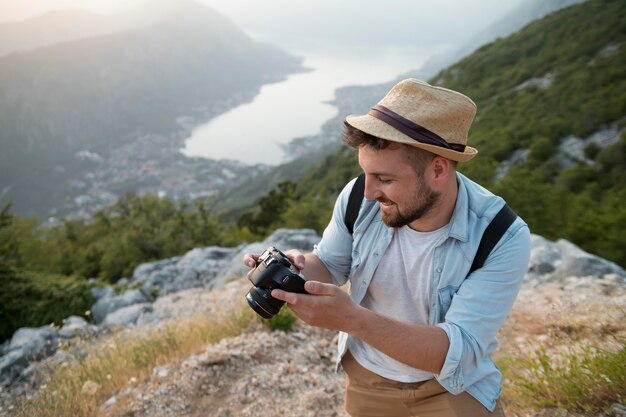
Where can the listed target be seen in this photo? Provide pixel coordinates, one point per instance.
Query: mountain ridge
(99, 93)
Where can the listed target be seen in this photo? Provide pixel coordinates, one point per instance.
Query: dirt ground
(263, 373)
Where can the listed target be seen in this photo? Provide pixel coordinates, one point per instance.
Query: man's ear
(441, 168)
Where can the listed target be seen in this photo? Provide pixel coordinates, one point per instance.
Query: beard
(426, 199)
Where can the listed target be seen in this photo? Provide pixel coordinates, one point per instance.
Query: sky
(400, 21)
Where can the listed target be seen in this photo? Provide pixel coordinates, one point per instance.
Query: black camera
(273, 270)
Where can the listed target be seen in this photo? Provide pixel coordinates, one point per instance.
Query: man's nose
(371, 190)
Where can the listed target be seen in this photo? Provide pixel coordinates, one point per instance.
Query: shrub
(284, 320)
(589, 379)
(30, 299)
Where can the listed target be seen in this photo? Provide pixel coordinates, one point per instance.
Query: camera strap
(491, 236)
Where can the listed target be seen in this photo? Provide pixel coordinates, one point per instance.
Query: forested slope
(549, 129)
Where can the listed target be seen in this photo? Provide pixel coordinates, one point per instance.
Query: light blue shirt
(470, 309)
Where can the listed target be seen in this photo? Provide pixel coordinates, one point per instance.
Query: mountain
(60, 26)
(522, 15)
(92, 96)
(550, 127)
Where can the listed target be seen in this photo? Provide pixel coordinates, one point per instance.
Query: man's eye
(384, 181)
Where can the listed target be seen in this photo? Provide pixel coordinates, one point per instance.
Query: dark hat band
(411, 129)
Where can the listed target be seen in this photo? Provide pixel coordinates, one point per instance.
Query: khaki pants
(370, 395)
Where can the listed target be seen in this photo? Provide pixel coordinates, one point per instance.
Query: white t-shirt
(400, 289)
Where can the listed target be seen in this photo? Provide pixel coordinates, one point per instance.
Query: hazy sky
(402, 21)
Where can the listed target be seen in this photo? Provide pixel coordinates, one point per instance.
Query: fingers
(250, 260)
(312, 287)
(320, 288)
(297, 258)
(288, 297)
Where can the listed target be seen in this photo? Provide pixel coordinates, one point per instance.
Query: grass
(284, 320)
(78, 389)
(585, 379)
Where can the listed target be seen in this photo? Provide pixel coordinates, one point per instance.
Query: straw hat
(418, 114)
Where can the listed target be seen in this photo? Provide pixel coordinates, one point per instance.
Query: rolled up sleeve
(480, 307)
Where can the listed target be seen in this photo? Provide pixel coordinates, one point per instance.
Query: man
(417, 332)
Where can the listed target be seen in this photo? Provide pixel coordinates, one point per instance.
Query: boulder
(102, 292)
(209, 268)
(126, 316)
(156, 275)
(198, 268)
(282, 239)
(75, 326)
(4, 347)
(35, 343)
(11, 366)
(105, 306)
(562, 260)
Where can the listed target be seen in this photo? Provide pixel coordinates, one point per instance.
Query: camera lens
(261, 301)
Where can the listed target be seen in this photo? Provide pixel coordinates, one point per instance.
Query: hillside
(97, 94)
(524, 13)
(551, 115)
(198, 350)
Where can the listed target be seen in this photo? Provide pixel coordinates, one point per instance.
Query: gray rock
(28, 372)
(150, 267)
(517, 158)
(102, 292)
(126, 316)
(618, 410)
(301, 239)
(562, 260)
(75, 326)
(197, 257)
(4, 347)
(11, 366)
(35, 343)
(110, 402)
(107, 305)
(196, 269)
(282, 239)
(578, 263)
(75, 321)
(572, 148)
(207, 268)
(156, 275)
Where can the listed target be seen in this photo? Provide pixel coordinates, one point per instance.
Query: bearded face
(417, 203)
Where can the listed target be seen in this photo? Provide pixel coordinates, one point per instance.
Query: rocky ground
(264, 373)
(256, 374)
(569, 299)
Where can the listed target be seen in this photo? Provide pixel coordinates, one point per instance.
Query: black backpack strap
(492, 235)
(354, 202)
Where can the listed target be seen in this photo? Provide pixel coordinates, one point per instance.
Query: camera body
(273, 270)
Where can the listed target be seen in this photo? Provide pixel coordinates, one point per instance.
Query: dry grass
(574, 361)
(78, 389)
(585, 379)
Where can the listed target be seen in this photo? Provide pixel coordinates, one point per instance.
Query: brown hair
(417, 157)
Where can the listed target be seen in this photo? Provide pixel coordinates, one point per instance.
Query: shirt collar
(459, 220)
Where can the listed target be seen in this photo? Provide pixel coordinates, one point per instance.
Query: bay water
(253, 132)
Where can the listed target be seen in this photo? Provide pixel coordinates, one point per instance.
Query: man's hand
(296, 258)
(325, 305)
(250, 260)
